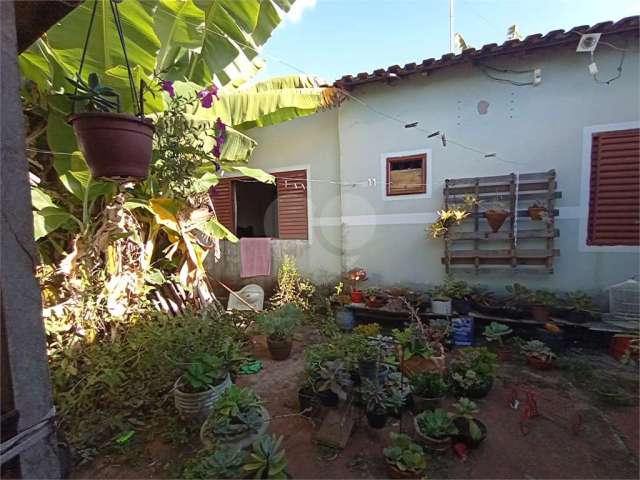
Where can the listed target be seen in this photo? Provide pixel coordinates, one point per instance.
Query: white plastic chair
(252, 294)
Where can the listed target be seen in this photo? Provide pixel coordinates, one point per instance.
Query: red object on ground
(461, 451)
(620, 344)
(356, 296)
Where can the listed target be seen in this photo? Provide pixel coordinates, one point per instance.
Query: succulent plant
(404, 454)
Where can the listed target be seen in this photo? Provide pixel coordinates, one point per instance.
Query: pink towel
(255, 257)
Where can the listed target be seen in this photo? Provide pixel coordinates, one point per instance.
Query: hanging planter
(117, 146)
(495, 218)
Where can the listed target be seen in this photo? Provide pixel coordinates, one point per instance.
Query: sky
(332, 38)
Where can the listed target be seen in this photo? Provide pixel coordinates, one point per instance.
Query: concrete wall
(532, 129)
(537, 128)
(307, 143)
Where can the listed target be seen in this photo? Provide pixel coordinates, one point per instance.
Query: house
(527, 106)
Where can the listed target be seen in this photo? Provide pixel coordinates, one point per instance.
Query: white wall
(539, 128)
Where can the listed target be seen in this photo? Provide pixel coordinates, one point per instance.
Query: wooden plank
(525, 187)
(490, 236)
(506, 179)
(505, 253)
(521, 214)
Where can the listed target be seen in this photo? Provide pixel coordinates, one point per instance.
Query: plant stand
(530, 411)
(472, 246)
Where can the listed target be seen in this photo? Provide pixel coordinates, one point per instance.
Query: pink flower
(167, 86)
(206, 96)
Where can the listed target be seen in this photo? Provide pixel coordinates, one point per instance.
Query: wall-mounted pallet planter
(521, 244)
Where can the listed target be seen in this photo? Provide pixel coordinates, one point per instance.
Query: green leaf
(50, 219)
(204, 182)
(215, 229)
(474, 430)
(35, 67)
(255, 173)
(40, 199)
(125, 437)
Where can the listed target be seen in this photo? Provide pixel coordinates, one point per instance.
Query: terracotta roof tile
(537, 40)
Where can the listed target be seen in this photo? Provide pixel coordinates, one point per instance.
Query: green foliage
(267, 460)
(333, 376)
(435, 424)
(495, 331)
(367, 330)
(478, 359)
(376, 396)
(538, 349)
(546, 298)
(452, 288)
(466, 409)
(579, 301)
(429, 384)
(292, 288)
(96, 97)
(414, 342)
(205, 371)
(237, 410)
(223, 462)
(280, 323)
(103, 386)
(518, 294)
(404, 454)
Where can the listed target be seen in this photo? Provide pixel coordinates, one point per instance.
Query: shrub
(280, 323)
(429, 384)
(292, 288)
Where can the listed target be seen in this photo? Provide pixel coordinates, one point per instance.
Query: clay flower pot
(419, 364)
(375, 301)
(495, 218)
(356, 296)
(464, 435)
(115, 145)
(538, 363)
(395, 472)
(505, 354)
(540, 313)
(279, 349)
(536, 213)
(437, 445)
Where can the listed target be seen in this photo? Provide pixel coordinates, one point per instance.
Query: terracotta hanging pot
(116, 145)
(536, 213)
(495, 218)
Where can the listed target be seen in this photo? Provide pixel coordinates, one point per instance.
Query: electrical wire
(615, 77)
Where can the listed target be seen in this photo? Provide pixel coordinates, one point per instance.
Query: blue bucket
(463, 331)
(345, 319)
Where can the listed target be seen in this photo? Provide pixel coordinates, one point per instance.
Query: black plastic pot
(328, 398)
(464, 436)
(376, 420)
(420, 404)
(279, 349)
(368, 369)
(305, 398)
(555, 341)
(461, 305)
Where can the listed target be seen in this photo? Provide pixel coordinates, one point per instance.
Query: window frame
(585, 189)
(427, 174)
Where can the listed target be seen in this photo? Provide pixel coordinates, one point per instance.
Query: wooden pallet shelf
(483, 250)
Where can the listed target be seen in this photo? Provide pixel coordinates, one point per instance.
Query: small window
(407, 175)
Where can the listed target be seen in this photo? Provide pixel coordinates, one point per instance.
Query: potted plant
(223, 462)
(236, 420)
(459, 293)
(231, 356)
(472, 372)
(471, 431)
(376, 401)
(447, 219)
(537, 210)
(538, 355)
(332, 383)
(278, 325)
(356, 275)
(496, 215)
(427, 390)
(494, 333)
(485, 302)
(267, 459)
(582, 307)
(543, 301)
(518, 301)
(419, 354)
(404, 457)
(115, 145)
(399, 390)
(202, 383)
(434, 429)
(374, 297)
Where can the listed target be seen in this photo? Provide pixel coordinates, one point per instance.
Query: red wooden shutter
(223, 198)
(614, 199)
(292, 205)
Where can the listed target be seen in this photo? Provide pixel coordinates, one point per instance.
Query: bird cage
(624, 300)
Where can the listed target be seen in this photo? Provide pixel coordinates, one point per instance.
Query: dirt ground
(574, 436)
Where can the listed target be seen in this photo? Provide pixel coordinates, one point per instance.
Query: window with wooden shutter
(223, 198)
(406, 175)
(293, 222)
(614, 194)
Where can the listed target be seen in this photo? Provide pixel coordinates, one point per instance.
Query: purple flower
(220, 126)
(218, 166)
(167, 86)
(216, 151)
(220, 140)
(206, 96)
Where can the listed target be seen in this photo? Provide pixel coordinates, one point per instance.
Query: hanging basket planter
(116, 146)
(495, 218)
